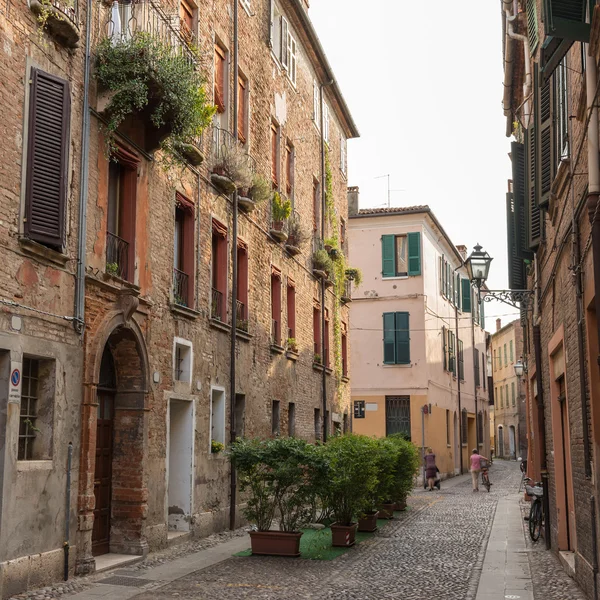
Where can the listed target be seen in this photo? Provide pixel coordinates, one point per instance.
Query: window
(275, 306)
(461, 361)
(512, 393)
(344, 350)
(495, 363)
(275, 154)
(445, 348)
(476, 367)
(316, 105)
(326, 123)
(397, 415)
(316, 203)
(451, 352)
(289, 169)
(291, 419)
(219, 272)
(465, 423)
(401, 255)
(187, 21)
(283, 43)
(345, 428)
(501, 397)
(291, 57)
(246, 4)
(121, 214)
(506, 394)
(36, 418)
(562, 116)
(182, 360)
(496, 394)
(275, 417)
(217, 417)
(484, 369)
(396, 338)
(240, 415)
(220, 88)
(47, 159)
(342, 231)
(291, 309)
(505, 356)
(447, 427)
(317, 424)
(466, 295)
(342, 154)
(512, 358)
(183, 252)
(480, 427)
(242, 116)
(242, 287)
(317, 332)
(326, 338)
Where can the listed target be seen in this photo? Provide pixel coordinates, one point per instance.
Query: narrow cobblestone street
(435, 550)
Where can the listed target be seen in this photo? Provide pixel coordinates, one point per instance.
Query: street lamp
(519, 369)
(478, 268)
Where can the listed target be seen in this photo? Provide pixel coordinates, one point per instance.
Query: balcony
(180, 287)
(296, 235)
(61, 19)
(230, 164)
(191, 150)
(281, 208)
(347, 292)
(246, 196)
(241, 316)
(216, 305)
(117, 256)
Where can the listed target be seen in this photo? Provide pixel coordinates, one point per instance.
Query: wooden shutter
(47, 158)
(457, 291)
(534, 217)
(519, 175)
(566, 19)
(444, 348)
(414, 253)
(389, 338)
(546, 159)
(466, 295)
(516, 265)
(476, 365)
(461, 361)
(482, 314)
(532, 25)
(402, 338)
(219, 91)
(388, 256)
(241, 116)
(284, 42)
(451, 355)
(443, 274)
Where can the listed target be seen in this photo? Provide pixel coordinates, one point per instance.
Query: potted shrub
(292, 345)
(387, 456)
(216, 447)
(280, 476)
(229, 167)
(331, 246)
(281, 208)
(408, 462)
(354, 275)
(297, 236)
(257, 193)
(141, 78)
(322, 264)
(350, 482)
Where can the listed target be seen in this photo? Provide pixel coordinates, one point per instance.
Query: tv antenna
(389, 191)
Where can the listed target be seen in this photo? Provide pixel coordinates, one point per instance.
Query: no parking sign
(14, 392)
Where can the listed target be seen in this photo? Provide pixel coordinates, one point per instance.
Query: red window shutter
(274, 156)
(220, 79)
(47, 158)
(241, 117)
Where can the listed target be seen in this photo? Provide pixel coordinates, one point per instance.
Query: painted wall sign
(14, 392)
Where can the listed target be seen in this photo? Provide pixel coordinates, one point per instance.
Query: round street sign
(15, 377)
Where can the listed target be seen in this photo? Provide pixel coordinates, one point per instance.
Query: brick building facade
(141, 385)
(551, 57)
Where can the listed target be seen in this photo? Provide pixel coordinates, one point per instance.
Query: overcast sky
(425, 90)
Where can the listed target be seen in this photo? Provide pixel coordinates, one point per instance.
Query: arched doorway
(501, 441)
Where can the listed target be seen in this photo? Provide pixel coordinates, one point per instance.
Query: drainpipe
(323, 207)
(66, 545)
(232, 424)
(508, 65)
(475, 384)
(79, 322)
(460, 445)
(594, 545)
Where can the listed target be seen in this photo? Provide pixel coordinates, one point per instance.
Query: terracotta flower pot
(386, 511)
(275, 543)
(400, 505)
(368, 522)
(343, 535)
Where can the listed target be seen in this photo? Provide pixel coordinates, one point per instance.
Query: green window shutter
(516, 266)
(451, 354)
(534, 216)
(532, 25)
(545, 167)
(402, 338)
(448, 276)
(566, 19)
(461, 361)
(388, 259)
(466, 295)
(414, 253)
(482, 314)
(389, 339)
(512, 392)
(444, 349)
(519, 174)
(511, 351)
(442, 275)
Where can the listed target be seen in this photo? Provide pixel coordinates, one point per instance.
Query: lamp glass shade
(519, 368)
(478, 265)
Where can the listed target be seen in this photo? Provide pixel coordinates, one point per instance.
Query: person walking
(430, 469)
(476, 459)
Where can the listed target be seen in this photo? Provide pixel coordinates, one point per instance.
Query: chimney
(498, 324)
(353, 200)
(462, 250)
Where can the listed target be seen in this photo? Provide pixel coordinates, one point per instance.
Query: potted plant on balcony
(322, 264)
(59, 19)
(281, 208)
(350, 482)
(281, 476)
(297, 236)
(229, 167)
(292, 345)
(144, 79)
(259, 192)
(354, 275)
(331, 245)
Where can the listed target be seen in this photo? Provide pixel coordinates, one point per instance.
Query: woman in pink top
(476, 459)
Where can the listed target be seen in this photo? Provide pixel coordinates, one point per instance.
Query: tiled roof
(393, 210)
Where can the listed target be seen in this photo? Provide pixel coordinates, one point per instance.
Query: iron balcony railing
(180, 287)
(279, 225)
(117, 256)
(216, 305)
(69, 8)
(241, 317)
(275, 338)
(127, 18)
(222, 144)
(347, 293)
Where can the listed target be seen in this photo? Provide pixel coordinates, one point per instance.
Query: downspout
(234, 262)
(79, 322)
(66, 544)
(323, 207)
(508, 66)
(458, 389)
(475, 384)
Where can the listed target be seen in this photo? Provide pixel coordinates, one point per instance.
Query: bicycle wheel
(535, 520)
(486, 482)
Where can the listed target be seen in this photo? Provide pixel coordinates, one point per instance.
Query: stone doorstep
(107, 562)
(567, 560)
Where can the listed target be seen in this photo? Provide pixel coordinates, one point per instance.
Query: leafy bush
(408, 462)
(260, 190)
(296, 233)
(387, 459)
(143, 71)
(354, 275)
(351, 477)
(322, 261)
(281, 209)
(282, 475)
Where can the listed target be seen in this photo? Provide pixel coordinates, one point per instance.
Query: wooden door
(103, 473)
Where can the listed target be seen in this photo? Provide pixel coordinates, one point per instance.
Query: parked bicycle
(536, 512)
(485, 476)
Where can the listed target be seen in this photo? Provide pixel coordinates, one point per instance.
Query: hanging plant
(260, 190)
(144, 74)
(354, 275)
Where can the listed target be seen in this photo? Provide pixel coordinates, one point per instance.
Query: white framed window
(246, 5)
(561, 111)
(316, 105)
(343, 154)
(326, 123)
(183, 360)
(292, 57)
(284, 51)
(217, 416)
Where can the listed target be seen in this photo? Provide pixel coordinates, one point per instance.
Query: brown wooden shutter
(47, 158)
(220, 79)
(546, 160)
(241, 116)
(534, 215)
